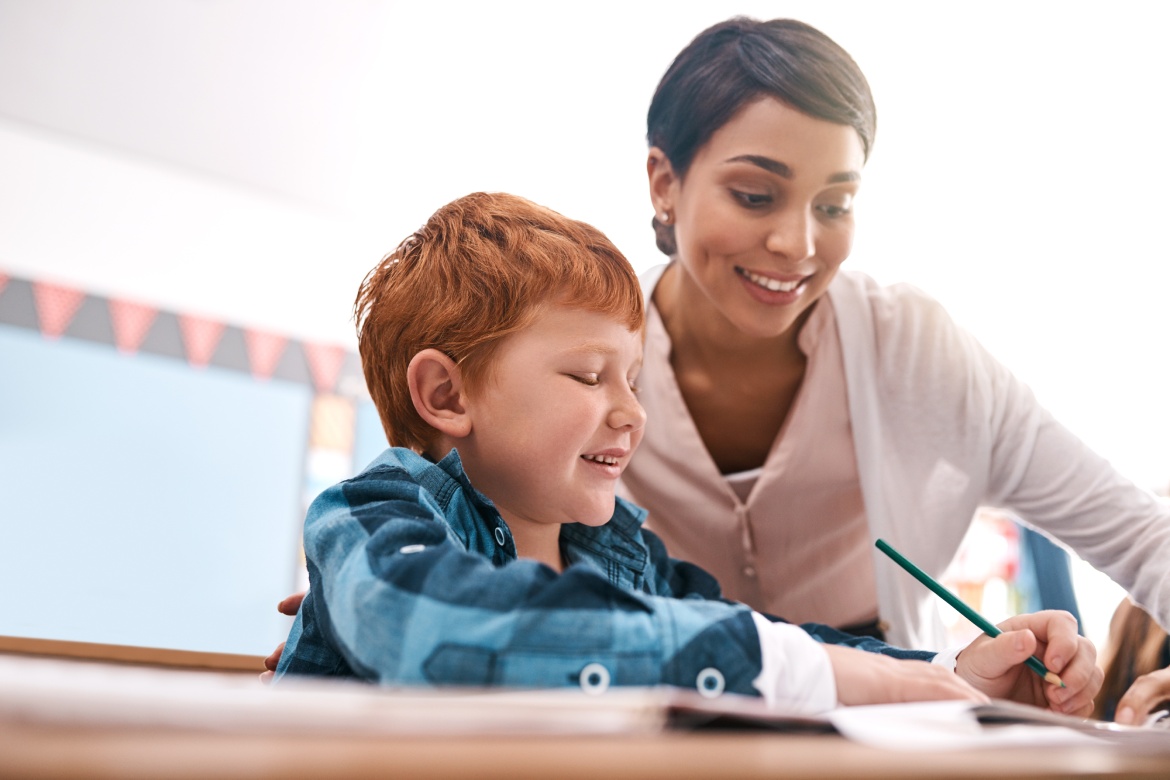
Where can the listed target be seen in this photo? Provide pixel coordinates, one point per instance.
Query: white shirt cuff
(796, 676)
(948, 658)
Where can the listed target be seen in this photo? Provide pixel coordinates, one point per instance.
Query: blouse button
(499, 534)
(594, 678)
(710, 682)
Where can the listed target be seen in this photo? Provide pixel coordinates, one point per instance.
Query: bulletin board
(155, 467)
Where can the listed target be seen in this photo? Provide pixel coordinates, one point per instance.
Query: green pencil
(1034, 663)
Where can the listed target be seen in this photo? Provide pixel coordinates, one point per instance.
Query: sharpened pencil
(1034, 663)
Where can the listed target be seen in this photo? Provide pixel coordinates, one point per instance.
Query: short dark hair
(739, 61)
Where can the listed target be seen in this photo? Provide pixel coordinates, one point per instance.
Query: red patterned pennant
(56, 307)
(264, 351)
(200, 337)
(131, 322)
(324, 364)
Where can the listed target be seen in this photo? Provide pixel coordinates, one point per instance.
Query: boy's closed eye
(593, 380)
(587, 378)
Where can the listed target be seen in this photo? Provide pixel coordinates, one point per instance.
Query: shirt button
(749, 571)
(499, 534)
(594, 678)
(710, 682)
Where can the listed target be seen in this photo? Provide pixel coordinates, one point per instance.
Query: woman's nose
(792, 234)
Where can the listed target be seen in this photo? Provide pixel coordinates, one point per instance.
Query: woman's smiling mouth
(768, 283)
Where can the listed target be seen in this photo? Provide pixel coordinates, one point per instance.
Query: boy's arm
(400, 598)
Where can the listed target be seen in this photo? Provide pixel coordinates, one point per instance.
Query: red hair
(478, 270)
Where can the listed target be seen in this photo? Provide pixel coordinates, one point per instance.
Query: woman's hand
(871, 678)
(996, 666)
(288, 606)
(1148, 693)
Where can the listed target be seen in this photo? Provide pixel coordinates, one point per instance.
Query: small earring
(664, 218)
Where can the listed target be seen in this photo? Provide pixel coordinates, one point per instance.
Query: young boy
(501, 345)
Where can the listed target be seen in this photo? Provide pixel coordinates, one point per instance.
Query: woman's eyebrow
(767, 163)
(783, 171)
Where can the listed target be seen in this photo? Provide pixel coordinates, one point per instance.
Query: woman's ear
(436, 388)
(662, 180)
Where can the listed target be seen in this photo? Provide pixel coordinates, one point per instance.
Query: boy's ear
(662, 179)
(436, 388)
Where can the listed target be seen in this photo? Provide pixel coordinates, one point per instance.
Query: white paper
(954, 725)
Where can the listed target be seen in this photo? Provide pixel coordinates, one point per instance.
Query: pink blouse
(789, 539)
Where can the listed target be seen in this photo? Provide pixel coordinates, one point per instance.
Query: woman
(797, 413)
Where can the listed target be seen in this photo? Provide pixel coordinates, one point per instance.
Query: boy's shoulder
(400, 477)
(440, 479)
(401, 485)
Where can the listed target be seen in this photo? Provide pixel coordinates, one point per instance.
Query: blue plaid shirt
(414, 580)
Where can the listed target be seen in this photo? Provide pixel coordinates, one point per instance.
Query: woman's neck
(738, 389)
(707, 338)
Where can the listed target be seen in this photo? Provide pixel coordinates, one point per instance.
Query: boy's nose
(628, 413)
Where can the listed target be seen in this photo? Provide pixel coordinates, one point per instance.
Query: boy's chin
(596, 515)
(595, 521)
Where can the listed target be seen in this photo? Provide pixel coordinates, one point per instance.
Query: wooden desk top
(70, 719)
(32, 751)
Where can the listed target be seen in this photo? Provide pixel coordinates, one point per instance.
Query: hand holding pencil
(1035, 658)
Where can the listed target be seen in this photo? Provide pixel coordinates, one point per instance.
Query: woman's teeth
(775, 285)
(606, 459)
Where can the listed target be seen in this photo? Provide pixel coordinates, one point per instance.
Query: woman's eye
(752, 200)
(836, 210)
(587, 379)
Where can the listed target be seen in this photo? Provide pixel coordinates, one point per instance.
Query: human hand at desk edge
(871, 678)
(288, 606)
(996, 667)
(1148, 693)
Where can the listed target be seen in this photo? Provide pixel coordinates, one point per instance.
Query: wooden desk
(58, 742)
(38, 752)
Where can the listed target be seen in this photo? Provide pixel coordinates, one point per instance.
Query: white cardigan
(941, 428)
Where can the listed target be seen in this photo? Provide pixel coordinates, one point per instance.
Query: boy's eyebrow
(593, 347)
(596, 348)
(783, 171)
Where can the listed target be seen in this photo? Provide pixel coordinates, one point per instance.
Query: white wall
(251, 160)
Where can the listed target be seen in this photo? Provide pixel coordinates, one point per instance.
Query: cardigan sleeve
(959, 430)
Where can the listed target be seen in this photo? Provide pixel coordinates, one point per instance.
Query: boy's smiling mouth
(605, 460)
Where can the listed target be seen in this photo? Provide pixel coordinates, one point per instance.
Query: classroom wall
(157, 467)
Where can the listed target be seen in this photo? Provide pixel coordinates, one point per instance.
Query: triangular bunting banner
(200, 337)
(56, 306)
(131, 323)
(264, 351)
(324, 364)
